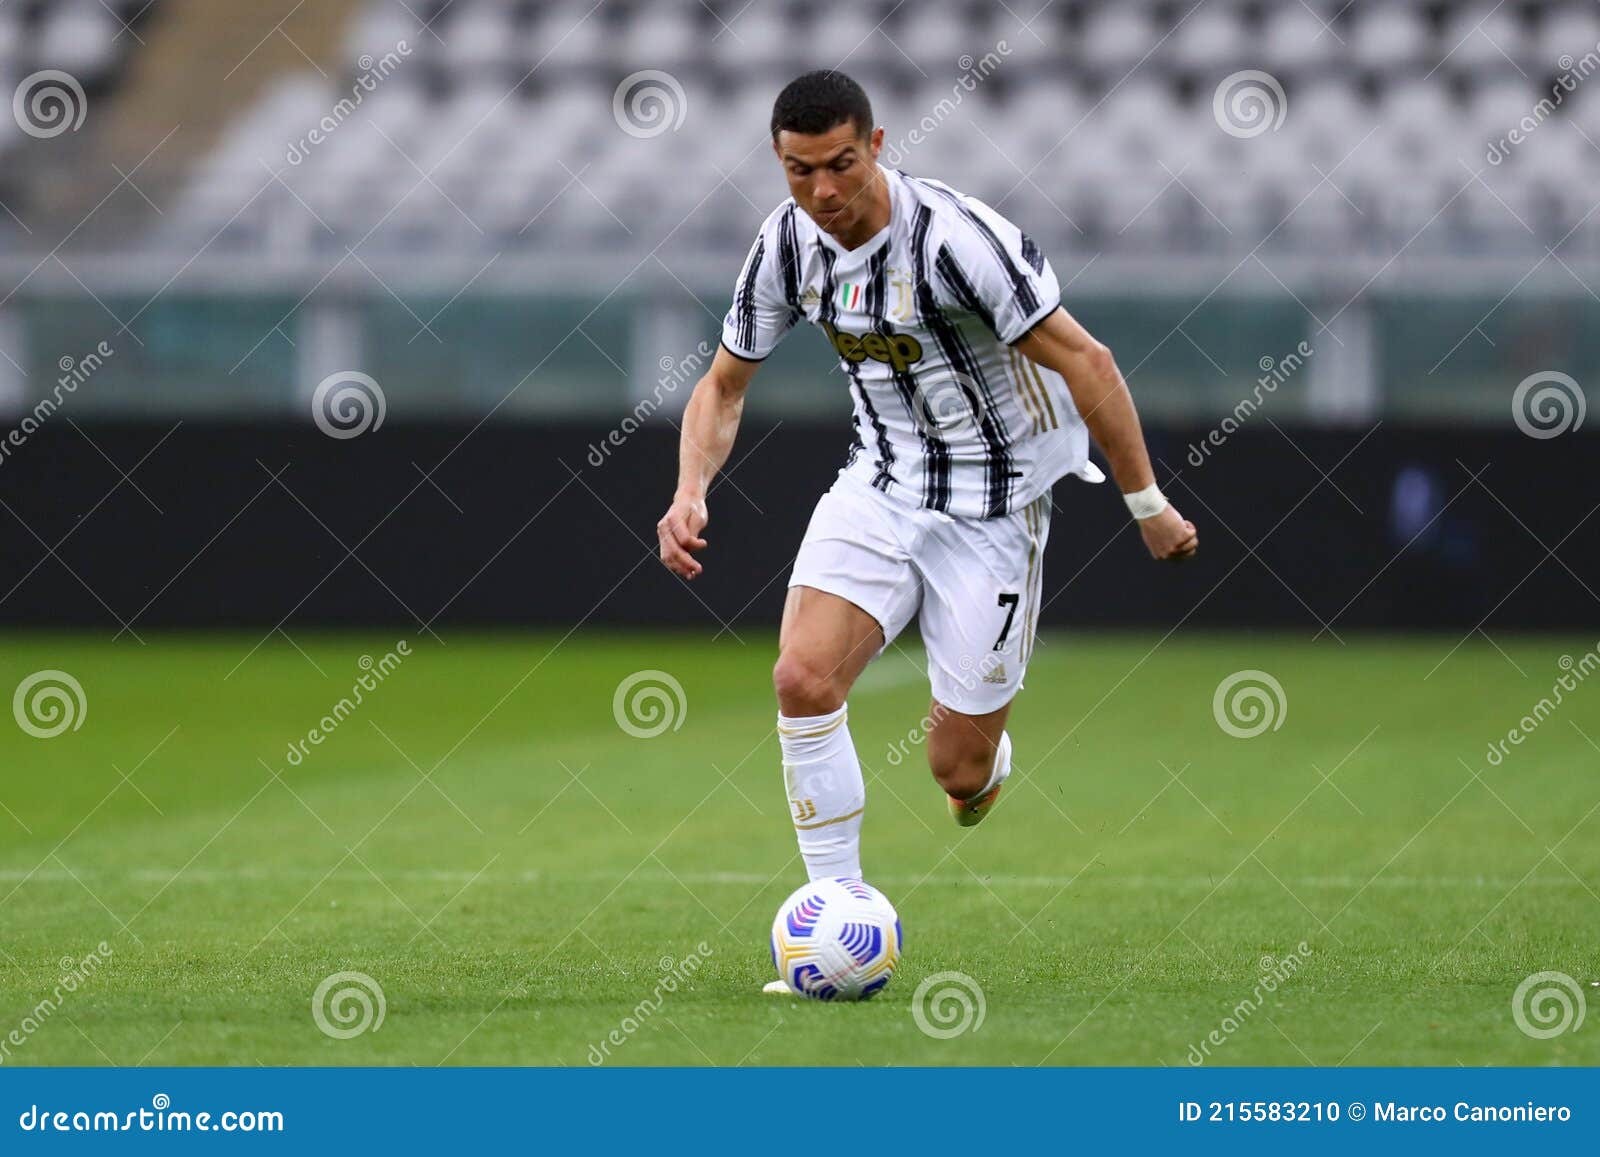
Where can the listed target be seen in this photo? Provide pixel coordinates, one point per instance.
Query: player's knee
(962, 770)
(804, 686)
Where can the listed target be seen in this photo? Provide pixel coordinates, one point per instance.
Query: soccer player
(973, 391)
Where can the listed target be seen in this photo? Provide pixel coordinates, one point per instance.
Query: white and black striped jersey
(947, 414)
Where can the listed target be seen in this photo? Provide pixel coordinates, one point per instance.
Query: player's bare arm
(710, 424)
(1060, 343)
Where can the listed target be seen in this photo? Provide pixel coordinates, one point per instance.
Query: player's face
(830, 173)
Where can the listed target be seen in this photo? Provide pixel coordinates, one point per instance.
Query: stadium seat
(849, 36)
(1482, 36)
(477, 38)
(567, 36)
(1216, 35)
(1097, 118)
(756, 40)
(78, 36)
(1299, 37)
(1116, 36)
(1567, 31)
(1389, 36)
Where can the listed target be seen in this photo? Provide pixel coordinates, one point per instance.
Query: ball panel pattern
(836, 940)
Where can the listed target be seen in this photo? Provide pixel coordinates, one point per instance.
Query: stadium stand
(499, 118)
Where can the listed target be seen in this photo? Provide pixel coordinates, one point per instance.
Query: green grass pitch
(520, 875)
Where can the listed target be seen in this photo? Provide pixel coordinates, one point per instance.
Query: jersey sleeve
(761, 312)
(995, 268)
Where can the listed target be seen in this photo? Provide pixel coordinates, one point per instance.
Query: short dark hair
(819, 101)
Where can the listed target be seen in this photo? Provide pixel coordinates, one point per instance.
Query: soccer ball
(836, 940)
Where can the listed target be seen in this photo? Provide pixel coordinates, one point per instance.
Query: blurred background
(372, 311)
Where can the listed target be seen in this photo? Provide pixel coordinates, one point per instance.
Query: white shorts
(973, 583)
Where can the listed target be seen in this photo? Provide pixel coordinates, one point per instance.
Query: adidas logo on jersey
(899, 350)
(810, 298)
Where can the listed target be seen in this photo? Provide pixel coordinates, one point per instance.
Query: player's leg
(982, 589)
(823, 646)
(852, 589)
(825, 643)
(970, 756)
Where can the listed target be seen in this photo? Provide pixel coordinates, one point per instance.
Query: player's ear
(875, 141)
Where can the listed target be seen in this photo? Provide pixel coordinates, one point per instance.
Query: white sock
(826, 792)
(1002, 764)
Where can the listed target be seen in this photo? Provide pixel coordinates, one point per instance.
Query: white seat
(78, 37)
(1142, 116)
(1327, 119)
(754, 41)
(479, 36)
(566, 35)
(1421, 127)
(1223, 194)
(379, 28)
(1567, 32)
(1483, 35)
(1030, 126)
(1213, 35)
(1499, 105)
(848, 36)
(1038, 50)
(936, 45)
(738, 132)
(1388, 36)
(660, 38)
(1117, 35)
(1561, 167)
(1296, 37)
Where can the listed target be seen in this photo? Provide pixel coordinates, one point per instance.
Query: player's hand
(679, 532)
(1170, 536)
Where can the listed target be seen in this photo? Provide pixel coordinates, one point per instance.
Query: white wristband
(1146, 503)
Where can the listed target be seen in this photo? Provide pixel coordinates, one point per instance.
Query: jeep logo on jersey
(900, 350)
